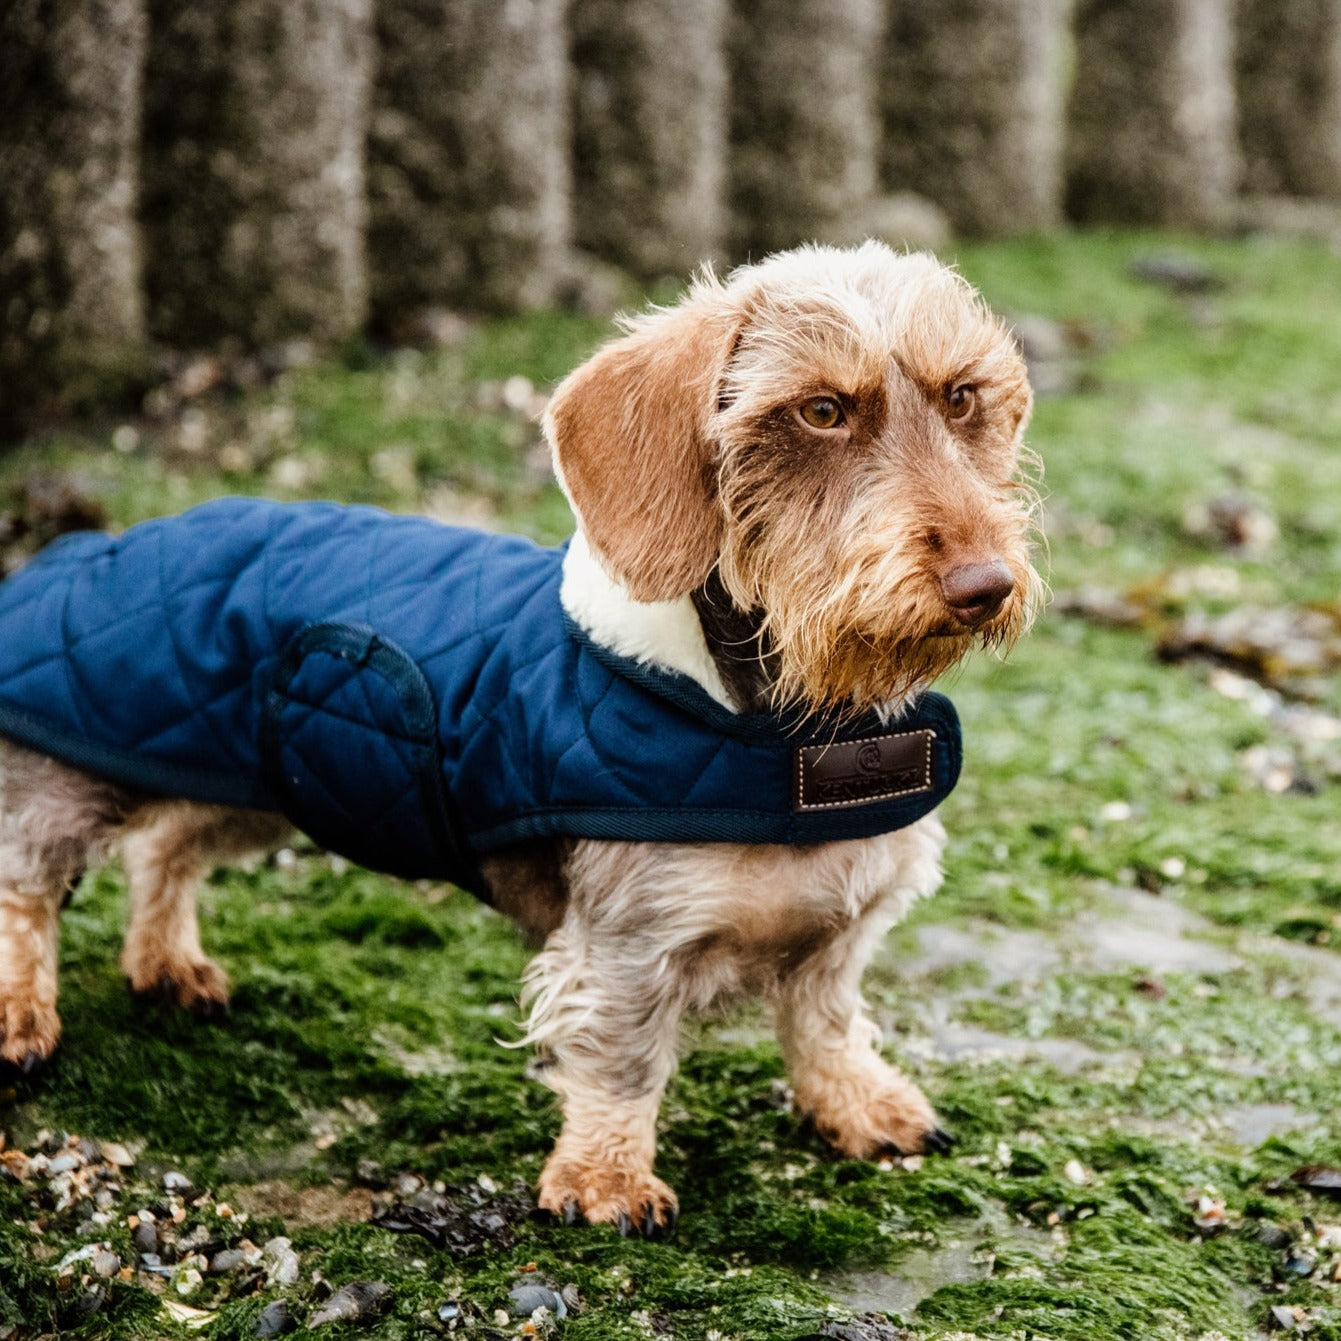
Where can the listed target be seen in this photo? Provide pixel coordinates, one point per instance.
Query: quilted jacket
(412, 695)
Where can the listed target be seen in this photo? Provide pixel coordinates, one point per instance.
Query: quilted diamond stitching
(169, 624)
(363, 818)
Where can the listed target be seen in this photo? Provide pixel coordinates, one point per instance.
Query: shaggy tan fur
(681, 449)
(829, 444)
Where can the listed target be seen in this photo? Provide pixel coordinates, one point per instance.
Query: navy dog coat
(412, 696)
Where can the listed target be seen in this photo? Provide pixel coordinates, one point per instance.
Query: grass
(362, 1042)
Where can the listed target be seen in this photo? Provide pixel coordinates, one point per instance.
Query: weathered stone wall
(804, 124)
(254, 204)
(972, 99)
(468, 155)
(1289, 87)
(649, 131)
(223, 141)
(71, 318)
(1151, 135)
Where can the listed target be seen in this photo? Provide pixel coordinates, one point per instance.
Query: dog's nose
(976, 591)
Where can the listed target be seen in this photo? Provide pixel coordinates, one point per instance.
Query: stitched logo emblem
(860, 772)
(868, 757)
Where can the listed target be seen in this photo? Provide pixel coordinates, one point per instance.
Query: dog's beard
(872, 634)
(835, 665)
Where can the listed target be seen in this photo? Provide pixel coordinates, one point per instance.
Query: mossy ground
(1106, 1054)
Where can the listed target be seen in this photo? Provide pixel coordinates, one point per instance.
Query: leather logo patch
(859, 772)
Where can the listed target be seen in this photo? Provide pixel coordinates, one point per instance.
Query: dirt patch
(316, 1207)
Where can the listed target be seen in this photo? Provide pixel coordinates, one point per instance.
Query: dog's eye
(961, 400)
(822, 412)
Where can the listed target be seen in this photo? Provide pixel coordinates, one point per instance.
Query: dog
(800, 490)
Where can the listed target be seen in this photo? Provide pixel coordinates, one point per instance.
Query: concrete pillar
(804, 123)
(468, 158)
(1289, 86)
(972, 101)
(254, 195)
(71, 317)
(649, 131)
(1152, 136)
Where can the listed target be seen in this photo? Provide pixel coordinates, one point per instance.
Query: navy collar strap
(837, 762)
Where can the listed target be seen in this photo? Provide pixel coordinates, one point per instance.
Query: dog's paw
(635, 1201)
(28, 1035)
(870, 1121)
(199, 986)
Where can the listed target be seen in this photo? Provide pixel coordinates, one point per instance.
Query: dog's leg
(166, 853)
(30, 902)
(859, 1102)
(53, 822)
(605, 1024)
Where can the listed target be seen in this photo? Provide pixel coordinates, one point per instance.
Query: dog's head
(839, 433)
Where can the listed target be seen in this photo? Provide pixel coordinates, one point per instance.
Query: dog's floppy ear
(629, 430)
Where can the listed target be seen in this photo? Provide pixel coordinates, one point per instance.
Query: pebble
(1273, 1236)
(865, 1327)
(517, 393)
(1319, 1178)
(1237, 523)
(283, 1267)
(355, 1302)
(106, 1263)
(90, 1302)
(1300, 1264)
(449, 1311)
(227, 1260)
(145, 1237)
(178, 1183)
(1046, 349)
(274, 1320)
(526, 1298)
(187, 1281)
(1176, 271)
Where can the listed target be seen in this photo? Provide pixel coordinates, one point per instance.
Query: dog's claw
(167, 994)
(572, 1215)
(938, 1141)
(624, 1225)
(654, 1229)
(27, 1065)
(162, 993)
(210, 1011)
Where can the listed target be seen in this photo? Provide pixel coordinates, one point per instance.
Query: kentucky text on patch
(858, 772)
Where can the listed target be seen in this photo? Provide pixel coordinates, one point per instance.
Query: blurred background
(237, 175)
(345, 248)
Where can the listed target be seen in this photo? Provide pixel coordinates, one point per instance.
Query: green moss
(370, 1012)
